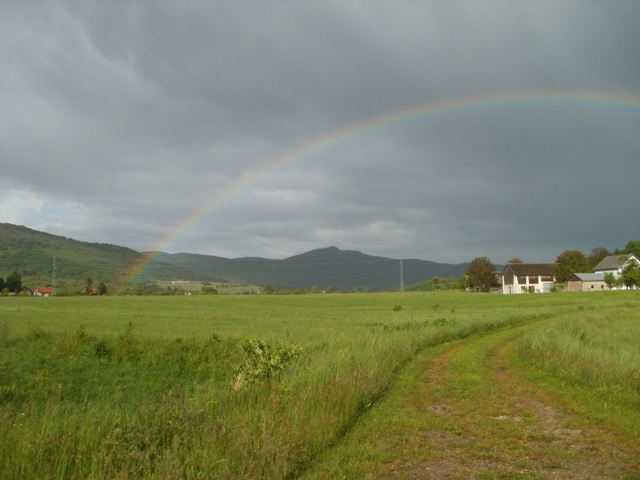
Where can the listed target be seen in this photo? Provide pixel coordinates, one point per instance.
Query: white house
(528, 277)
(43, 292)
(615, 264)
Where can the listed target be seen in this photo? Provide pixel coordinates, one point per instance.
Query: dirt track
(486, 422)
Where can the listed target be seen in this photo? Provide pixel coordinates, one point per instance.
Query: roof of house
(44, 290)
(544, 269)
(613, 262)
(587, 277)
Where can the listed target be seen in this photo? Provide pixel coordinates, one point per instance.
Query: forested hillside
(344, 269)
(32, 254)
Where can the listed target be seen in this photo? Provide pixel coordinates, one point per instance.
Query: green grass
(143, 387)
(481, 407)
(590, 357)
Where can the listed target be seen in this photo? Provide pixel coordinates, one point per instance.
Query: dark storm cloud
(120, 119)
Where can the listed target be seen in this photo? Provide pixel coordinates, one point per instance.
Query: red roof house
(43, 292)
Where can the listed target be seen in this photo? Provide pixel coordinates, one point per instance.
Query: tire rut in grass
(484, 421)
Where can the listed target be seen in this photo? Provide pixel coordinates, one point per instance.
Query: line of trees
(12, 284)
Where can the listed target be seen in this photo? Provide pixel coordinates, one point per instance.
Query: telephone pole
(401, 277)
(53, 278)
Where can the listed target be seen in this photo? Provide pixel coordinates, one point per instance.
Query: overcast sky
(122, 122)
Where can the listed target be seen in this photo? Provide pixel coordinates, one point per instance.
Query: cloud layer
(121, 122)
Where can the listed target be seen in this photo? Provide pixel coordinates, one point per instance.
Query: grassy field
(254, 386)
(487, 407)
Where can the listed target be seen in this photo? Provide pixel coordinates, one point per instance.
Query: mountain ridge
(344, 269)
(31, 253)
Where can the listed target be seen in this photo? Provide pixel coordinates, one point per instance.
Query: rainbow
(336, 137)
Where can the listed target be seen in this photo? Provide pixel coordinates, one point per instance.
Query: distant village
(13, 286)
(613, 272)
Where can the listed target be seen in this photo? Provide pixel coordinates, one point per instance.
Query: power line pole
(401, 277)
(53, 279)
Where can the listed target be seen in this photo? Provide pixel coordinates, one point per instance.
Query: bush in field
(263, 361)
(103, 349)
(208, 290)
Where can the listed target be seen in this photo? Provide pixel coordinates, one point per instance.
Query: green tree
(457, 283)
(481, 273)
(570, 262)
(596, 255)
(2, 284)
(267, 289)
(209, 290)
(630, 275)
(610, 279)
(433, 283)
(102, 289)
(515, 260)
(632, 247)
(14, 282)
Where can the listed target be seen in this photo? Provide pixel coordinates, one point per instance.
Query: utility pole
(53, 279)
(401, 277)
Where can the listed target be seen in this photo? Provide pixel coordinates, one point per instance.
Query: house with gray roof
(586, 282)
(615, 263)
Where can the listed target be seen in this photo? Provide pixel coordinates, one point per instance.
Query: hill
(344, 269)
(32, 253)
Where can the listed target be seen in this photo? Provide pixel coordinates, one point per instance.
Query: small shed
(586, 282)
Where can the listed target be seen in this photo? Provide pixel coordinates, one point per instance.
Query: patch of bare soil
(508, 429)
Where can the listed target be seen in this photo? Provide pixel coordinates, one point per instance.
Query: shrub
(103, 350)
(263, 361)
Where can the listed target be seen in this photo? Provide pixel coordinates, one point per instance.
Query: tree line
(13, 283)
